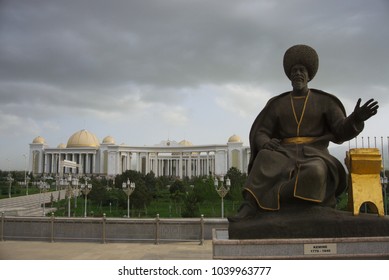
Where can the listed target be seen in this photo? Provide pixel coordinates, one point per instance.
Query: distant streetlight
(384, 179)
(75, 190)
(43, 187)
(384, 182)
(222, 190)
(25, 173)
(86, 188)
(128, 188)
(10, 180)
(69, 192)
(27, 182)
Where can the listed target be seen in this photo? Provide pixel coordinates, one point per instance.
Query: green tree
(191, 206)
(98, 194)
(177, 186)
(177, 194)
(238, 180)
(204, 189)
(141, 197)
(151, 182)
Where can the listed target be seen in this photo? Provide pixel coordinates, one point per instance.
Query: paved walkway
(29, 205)
(33, 250)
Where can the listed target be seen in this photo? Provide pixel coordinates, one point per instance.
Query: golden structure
(365, 165)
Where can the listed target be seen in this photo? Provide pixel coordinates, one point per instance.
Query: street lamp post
(25, 173)
(27, 181)
(10, 180)
(57, 181)
(86, 188)
(222, 190)
(75, 191)
(69, 192)
(384, 179)
(62, 186)
(384, 182)
(43, 187)
(128, 188)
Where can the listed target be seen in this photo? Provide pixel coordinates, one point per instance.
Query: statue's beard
(298, 84)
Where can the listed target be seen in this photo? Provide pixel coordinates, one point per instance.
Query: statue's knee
(319, 171)
(315, 172)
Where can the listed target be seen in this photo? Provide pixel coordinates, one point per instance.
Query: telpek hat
(301, 54)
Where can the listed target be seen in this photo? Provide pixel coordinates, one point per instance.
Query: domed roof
(83, 138)
(109, 140)
(234, 139)
(185, 143)
(39, 140)
(61, 146)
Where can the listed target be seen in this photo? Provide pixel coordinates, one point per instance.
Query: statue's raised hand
(366, 111)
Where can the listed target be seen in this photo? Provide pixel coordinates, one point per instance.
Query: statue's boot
(246, 211)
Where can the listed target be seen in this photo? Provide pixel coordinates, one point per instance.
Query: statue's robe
(302, 160)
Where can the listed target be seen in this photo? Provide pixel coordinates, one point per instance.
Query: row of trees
(184, 196)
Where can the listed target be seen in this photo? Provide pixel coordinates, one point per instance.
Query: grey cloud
(121, 57)
(170, 44)
(174, 43)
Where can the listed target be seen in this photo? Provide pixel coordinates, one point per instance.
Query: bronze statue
(290, 162)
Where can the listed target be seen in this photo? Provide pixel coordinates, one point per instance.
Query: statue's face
(299, 76)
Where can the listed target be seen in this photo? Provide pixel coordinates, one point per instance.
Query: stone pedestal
(305, 232)
(299, 248)
(301, 221)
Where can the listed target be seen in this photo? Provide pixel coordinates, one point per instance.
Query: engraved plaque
(320, 249)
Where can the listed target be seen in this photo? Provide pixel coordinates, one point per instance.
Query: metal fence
(105, 230)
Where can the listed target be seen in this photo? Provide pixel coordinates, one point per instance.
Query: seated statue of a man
(290, 162)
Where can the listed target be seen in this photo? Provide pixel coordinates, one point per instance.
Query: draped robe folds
(314, 174)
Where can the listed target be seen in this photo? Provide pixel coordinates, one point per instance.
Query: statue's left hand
(367, 110)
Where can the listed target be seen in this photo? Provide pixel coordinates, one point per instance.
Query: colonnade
(178, 164)
(87, 160)
(183, 165)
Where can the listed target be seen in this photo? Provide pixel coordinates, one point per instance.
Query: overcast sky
(143, 71)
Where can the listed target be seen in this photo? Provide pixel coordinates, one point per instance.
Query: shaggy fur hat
(301, 54)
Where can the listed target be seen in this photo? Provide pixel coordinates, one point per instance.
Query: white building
(167, 158)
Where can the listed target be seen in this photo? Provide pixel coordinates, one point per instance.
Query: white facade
(168, 158)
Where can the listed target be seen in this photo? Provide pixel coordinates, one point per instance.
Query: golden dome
(39, 140)
(109, 140)
(83, 138)
(234, 139)
(185, 143)
(61, 146)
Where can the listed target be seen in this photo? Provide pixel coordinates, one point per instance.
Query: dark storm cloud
(172, 43)
(114, 58)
